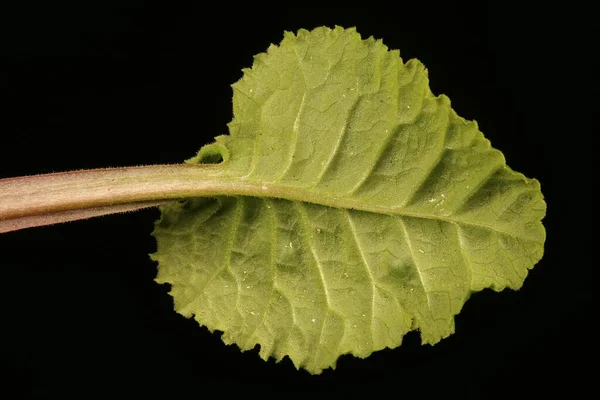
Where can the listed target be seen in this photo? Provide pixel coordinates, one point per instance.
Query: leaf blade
(394, 209)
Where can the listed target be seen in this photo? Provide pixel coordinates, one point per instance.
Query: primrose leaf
(381, 209)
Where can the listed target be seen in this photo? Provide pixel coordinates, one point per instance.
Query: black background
(89, 86)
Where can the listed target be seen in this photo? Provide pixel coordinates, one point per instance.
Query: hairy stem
(67, 196)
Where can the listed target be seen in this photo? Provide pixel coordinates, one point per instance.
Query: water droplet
(314, 320)
(264, 187)
(420, 251)
(318, 230)
(245, 271)
(247, 287)
(411, 289)
(354, 326)
(291, 245)
(431, 200)
(363, 315)
(408, 107)
(345, 274)
(252, 312)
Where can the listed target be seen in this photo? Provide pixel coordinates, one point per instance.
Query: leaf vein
(434, 164)
(367, 268)
(294, 140)
(227, 262)
(236, 223)
(473, 191)
(303, 218)
(512, 264)
(341, 136)
(463, 253)
(412, 254)
(273, 219)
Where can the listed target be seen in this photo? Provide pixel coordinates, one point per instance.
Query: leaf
(381, 209)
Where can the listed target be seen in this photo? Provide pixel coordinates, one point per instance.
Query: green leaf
(381, 209)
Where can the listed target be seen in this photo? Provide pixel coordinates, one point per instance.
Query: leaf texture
(381, 209)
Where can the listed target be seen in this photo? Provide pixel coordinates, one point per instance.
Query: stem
(67, 196)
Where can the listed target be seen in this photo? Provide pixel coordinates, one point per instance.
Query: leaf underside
(436, 214)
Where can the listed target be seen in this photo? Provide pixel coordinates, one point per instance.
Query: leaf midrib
(259, 189)
(200, 182)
